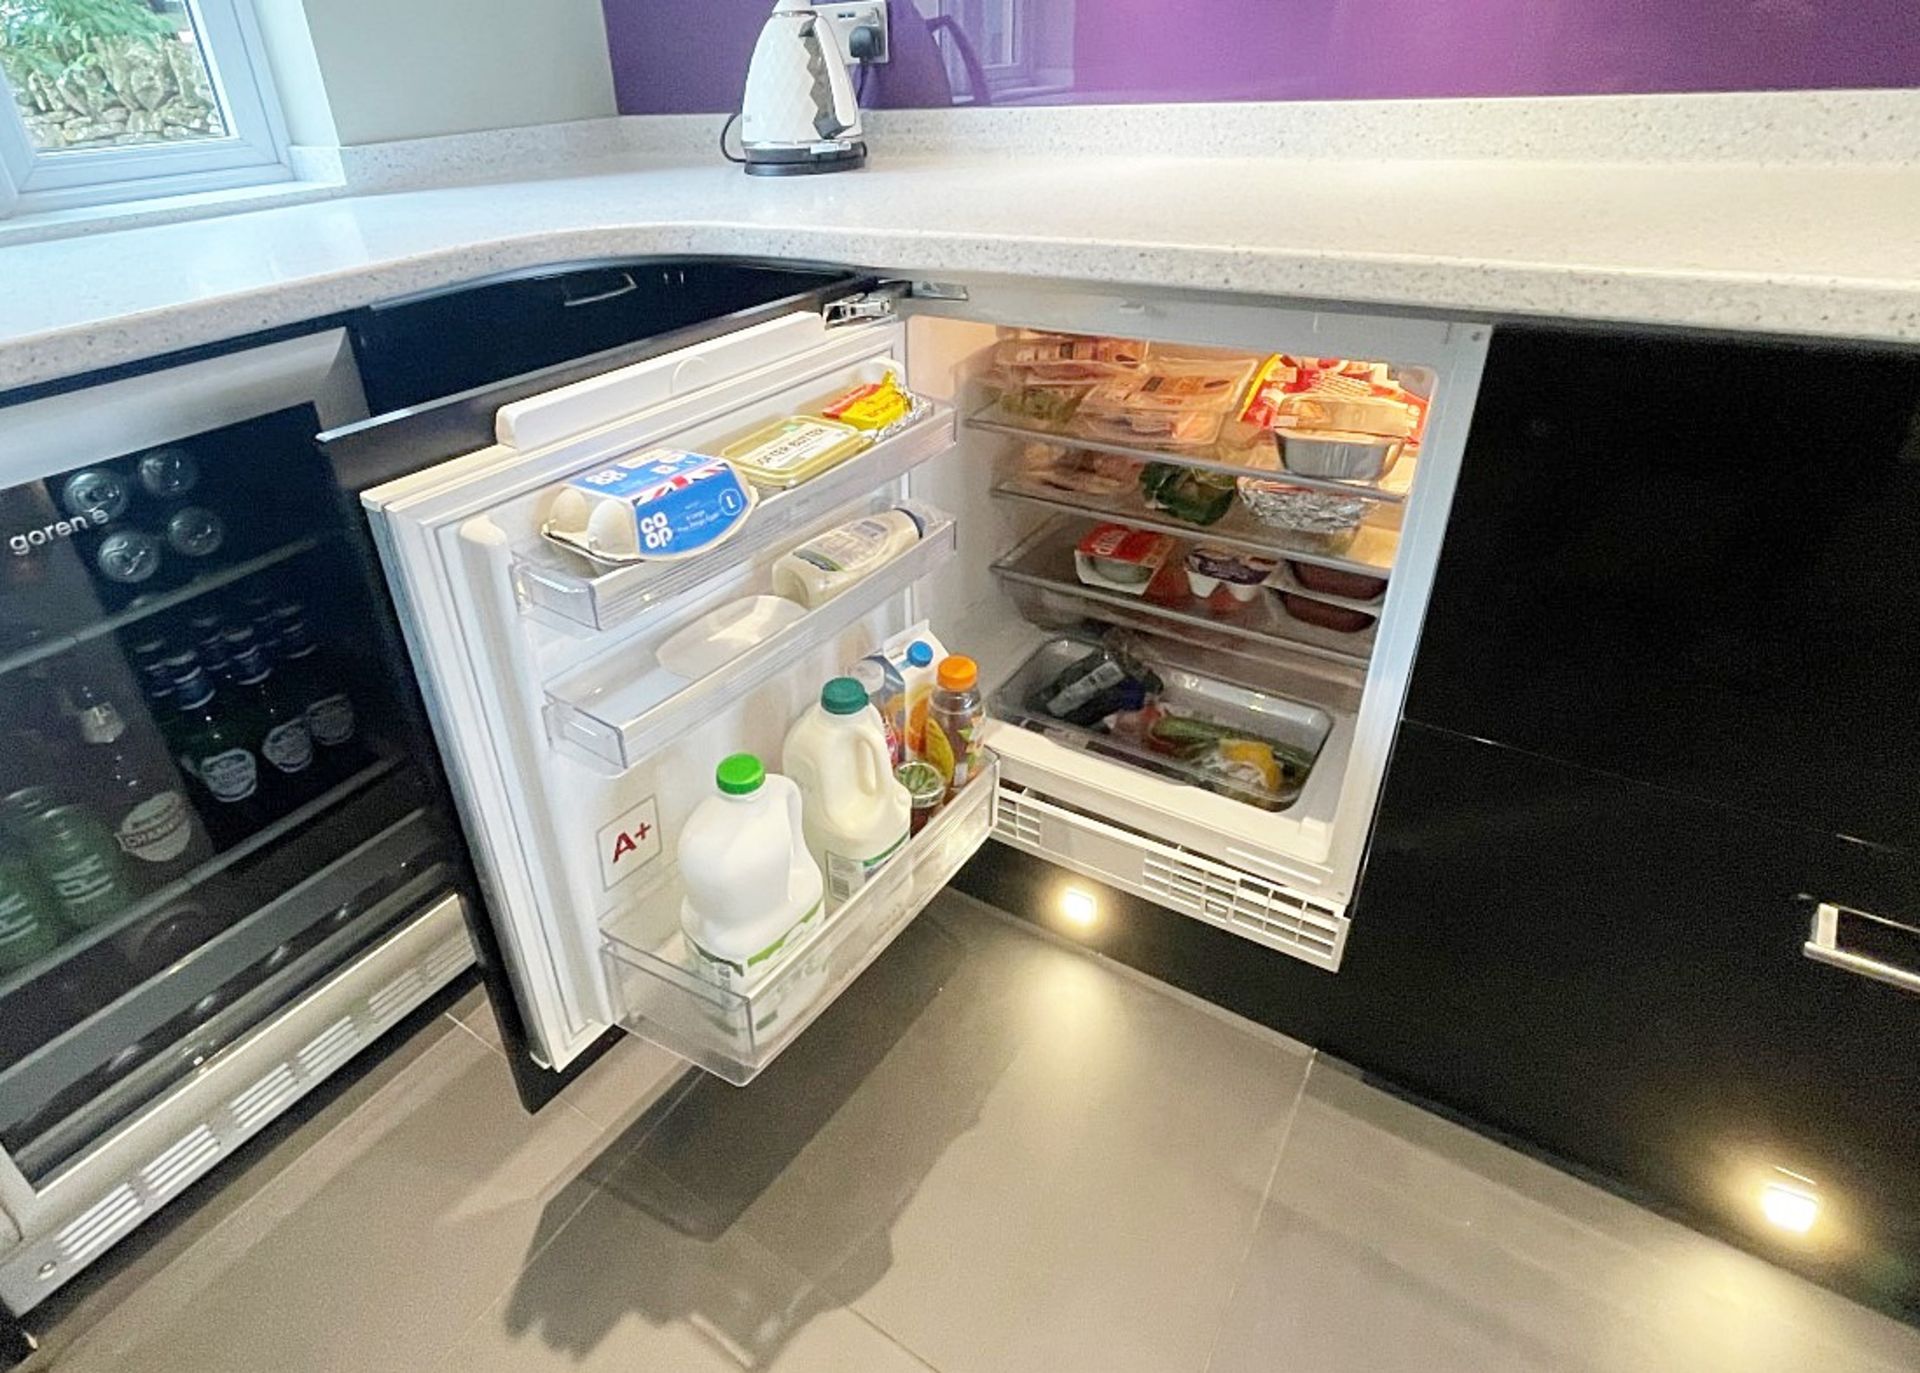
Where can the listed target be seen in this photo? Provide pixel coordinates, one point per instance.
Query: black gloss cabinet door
(1695, 564)
(1615, 973)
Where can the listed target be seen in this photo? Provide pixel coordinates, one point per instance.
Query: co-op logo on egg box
(28, 541)
(629, 843)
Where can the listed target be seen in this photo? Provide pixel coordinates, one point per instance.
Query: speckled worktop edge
(1796, 247)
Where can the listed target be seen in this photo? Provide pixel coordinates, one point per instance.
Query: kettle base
(803, 161)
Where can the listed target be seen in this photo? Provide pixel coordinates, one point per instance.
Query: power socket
(844, 19)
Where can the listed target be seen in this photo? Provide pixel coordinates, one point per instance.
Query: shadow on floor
(675, 1190)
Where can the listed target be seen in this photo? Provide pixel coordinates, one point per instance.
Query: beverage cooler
(586, 679)
(228, 855)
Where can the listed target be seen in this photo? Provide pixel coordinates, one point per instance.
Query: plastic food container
(1078, 470)
(1334, 581)
(1327, 518)
(1040, 404)
(1067, 357)
(656, 506)
(1117, 558)
(1340, 618)
(1178, 403)
(1235, 575)
(1342, 454)
(789, 451)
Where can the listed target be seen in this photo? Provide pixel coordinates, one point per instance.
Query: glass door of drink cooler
(210, 795)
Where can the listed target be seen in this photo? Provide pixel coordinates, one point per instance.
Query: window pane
(90, 74)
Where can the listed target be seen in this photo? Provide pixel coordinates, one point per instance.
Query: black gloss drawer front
(1618, 974)
(1693, 564)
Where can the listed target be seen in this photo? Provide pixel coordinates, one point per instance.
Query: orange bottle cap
(958, 674)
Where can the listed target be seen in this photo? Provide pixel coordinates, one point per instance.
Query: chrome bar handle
(1823, 946)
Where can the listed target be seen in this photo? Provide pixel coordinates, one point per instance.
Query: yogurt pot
(1339, 454)
(1220, 569)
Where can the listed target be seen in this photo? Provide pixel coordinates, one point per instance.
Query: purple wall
(1149, 50)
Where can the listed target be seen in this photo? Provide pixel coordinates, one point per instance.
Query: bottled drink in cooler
(128, 560)
(313, 681)
(193, 534)
(152, 820)
(216, 743)
(79, 859)
(98, 495)
(286, 743)
(28, 927)
(167, 474)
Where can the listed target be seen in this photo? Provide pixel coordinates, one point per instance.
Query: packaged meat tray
(1180, 403)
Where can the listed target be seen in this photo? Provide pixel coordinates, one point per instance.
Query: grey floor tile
(619, 1289)
(625, 1084)
(475, 1012)
(1000, 1151)
(1394, 1240)
(211, 1202)
(376, 1247)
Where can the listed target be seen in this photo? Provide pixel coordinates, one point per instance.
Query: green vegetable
(1187, 493)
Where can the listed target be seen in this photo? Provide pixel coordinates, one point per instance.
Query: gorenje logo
(23, 544)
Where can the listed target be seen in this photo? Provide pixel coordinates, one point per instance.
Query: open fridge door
(582, 704)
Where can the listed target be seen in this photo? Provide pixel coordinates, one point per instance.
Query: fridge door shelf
(1039, 576)
(625, 704)
(1261, 714)
(1370, 554)
(665, 998)
(552, 581)
(1243, 452)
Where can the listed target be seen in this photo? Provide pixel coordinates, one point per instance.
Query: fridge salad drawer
(663, 994)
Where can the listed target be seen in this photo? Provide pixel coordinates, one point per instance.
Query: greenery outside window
(108, 100)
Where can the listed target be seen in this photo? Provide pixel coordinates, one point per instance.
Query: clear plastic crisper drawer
(632, 700)
(664, 997)
(555, 582)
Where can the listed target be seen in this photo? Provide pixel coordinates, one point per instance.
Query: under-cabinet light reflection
(1792, 1205)
(1078, 907)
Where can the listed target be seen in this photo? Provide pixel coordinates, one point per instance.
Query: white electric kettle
(799, 113)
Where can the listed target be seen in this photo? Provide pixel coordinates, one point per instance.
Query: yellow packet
(871, 405)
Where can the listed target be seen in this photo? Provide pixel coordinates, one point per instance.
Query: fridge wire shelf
(664, 997)
(552, 581)
(624, 705)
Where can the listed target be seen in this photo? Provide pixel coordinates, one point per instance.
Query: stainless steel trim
(627, 286)
(56, 433)
(143, 1164)
(1823, 946)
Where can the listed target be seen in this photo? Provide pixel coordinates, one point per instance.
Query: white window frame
(254, 150)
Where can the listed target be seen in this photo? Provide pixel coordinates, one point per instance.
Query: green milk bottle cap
(739, 774)
(843, 696)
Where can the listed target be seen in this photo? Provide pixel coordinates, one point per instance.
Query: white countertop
(1792, 249)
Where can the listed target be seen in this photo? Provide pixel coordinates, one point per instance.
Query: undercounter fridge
(1267, 615)
(229, 860)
